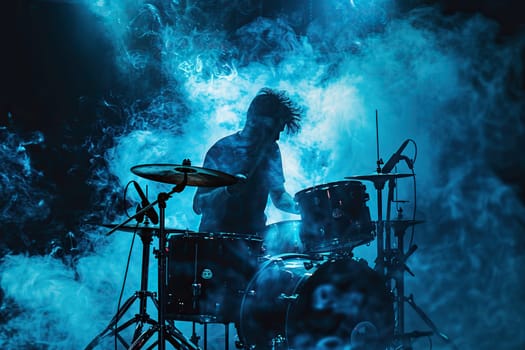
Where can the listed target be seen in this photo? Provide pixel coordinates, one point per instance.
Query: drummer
(253, 156)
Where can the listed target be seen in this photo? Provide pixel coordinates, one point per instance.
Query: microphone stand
(142, 317)
(165, 333)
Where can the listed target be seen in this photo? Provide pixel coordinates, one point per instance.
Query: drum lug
(288, 297)
(278, 341)
(196, 289)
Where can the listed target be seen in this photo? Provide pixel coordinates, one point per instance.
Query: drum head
(282, 237)
(334, 217)
(344, 303)
(207, 274)
(296, 301)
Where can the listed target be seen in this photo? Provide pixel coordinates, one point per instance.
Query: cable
(415, 150)
(125, 195)
(410, 163)
(412, 234)
(124, 282)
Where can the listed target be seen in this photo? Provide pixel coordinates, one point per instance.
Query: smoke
(447, 82)
(23, 198)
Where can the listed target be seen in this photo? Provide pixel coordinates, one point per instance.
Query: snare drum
(296, 301)
(282, 237)
(207, 275)
(334, 216)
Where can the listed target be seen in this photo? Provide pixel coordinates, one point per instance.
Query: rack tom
(334, 216)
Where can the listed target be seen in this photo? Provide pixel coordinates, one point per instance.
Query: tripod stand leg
(428, 321)
(143, 338)
(226, 336)
(108, 330)
(177, 340)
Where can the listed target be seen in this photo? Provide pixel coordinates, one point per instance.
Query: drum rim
(325, 263)
(216, 235)
(329, 185)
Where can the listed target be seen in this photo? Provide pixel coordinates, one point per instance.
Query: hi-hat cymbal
(378, 178)
(174, 174)
(142, 227)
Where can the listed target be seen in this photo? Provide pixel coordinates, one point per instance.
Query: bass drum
(297, 301)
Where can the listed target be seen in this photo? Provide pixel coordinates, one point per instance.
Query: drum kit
(305, 291)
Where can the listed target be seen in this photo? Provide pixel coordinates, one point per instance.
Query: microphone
(396, 157)
(150, 213)
(410, 162)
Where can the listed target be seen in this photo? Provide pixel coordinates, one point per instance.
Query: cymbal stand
(165, 332)
(142, 317)
(396, 266)
(395, 261)
(379, 184)
(380, 259)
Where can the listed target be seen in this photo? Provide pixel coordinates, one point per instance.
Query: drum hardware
(281, 237)
(145, 233)
(286, 297)
(295, 290)
(165, 333)
(182, 176)
(428, 321)
(143, 227)
(278, 341)
(391, 261)
(334, 217)
(208, 274)
(177, 174)
(313, 307)
(396, 267)
(379, 179)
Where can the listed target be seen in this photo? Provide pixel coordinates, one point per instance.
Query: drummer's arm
(284, 201)
(209, 198)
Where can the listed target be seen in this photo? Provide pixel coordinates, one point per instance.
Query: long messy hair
(277, 104)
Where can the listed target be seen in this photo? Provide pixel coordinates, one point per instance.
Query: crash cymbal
(174, 174)
(377, 178)
(141, 227)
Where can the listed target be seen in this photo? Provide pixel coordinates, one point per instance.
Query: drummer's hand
(296, 209)
(283, 201)
(239, 186)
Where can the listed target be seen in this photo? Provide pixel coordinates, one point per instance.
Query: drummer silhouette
(253, 156)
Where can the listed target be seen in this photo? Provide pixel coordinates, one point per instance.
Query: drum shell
(334, 215)
(207, 274)
(297, 301)
(282, 237)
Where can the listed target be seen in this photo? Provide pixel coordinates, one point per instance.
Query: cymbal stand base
(169, 334)
(194, 337)
(428, 321)
(396, 268)
(226, 336)
(142, 296)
